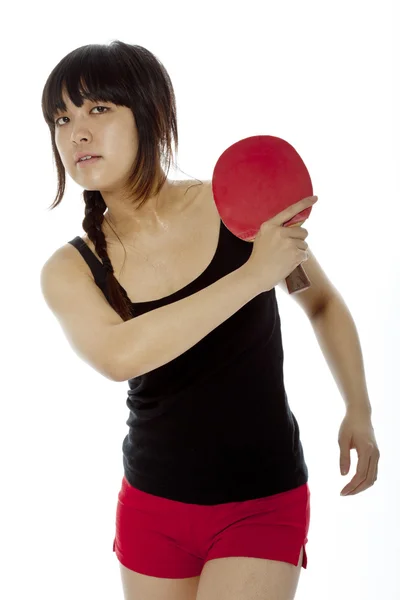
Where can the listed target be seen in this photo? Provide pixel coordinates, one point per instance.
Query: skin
(111, 132)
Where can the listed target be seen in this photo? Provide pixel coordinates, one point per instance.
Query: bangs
(89, 73)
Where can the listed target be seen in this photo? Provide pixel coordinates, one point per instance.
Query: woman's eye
(102, 112)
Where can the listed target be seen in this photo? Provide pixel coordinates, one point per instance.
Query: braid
(94, 216)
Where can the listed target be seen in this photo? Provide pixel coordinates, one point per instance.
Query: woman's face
(109, 132)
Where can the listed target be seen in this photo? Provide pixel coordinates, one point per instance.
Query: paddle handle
(297, 281)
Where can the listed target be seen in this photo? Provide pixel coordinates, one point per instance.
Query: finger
(361, 488)
(371, 477)
(363, 465)
(361, 473)
(293, 210)
(300, 233)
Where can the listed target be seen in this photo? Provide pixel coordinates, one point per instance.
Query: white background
(319, 74)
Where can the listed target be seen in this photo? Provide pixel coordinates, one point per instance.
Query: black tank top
(214, 424)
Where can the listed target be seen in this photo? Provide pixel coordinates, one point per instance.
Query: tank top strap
(95, 265)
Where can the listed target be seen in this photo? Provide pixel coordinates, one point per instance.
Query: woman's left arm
(337, 336)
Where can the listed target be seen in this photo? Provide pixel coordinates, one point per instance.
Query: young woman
(214, 501)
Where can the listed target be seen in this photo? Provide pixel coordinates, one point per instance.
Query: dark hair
(125, 75)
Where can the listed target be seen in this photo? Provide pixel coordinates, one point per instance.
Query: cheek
(120, 147)
(122, 138)
(67, 161)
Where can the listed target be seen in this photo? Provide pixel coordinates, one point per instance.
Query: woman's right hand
(278, 250)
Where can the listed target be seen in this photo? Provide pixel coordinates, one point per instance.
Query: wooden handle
(297, 281)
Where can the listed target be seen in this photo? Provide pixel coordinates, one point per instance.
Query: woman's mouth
(87, 161)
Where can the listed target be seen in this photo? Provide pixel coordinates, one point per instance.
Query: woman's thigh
(245, 578)
(143, 587)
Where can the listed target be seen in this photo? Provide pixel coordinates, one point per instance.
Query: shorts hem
(281, 554)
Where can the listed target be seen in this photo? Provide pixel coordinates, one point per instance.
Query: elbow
(111, 369)
(112, 376)
(121, 372)
(115, 374)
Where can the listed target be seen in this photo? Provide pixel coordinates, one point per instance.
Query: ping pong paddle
(254, 180)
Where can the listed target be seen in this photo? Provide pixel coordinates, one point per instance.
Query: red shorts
(165, 538)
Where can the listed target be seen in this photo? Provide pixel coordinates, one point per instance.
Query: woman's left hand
(356, 431)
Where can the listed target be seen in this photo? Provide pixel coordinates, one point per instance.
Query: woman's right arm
(159, 336)
(121, 350)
